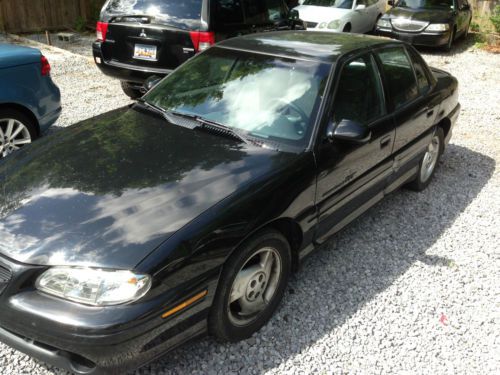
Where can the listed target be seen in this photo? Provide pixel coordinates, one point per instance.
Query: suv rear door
(153, 34)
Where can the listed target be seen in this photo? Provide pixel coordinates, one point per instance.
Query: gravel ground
(413, 286)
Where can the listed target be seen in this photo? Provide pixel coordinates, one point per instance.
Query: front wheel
(448, 45)
(251, 287)
(427, 166)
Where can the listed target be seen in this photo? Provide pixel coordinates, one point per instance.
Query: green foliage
(474, 26)
(95, 10)
(80, 24)
(495, 18)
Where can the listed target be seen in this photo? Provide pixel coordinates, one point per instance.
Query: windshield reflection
(268, 97)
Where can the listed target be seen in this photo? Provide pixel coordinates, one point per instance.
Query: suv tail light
(101, 31)
(202, 40)
(45, 66)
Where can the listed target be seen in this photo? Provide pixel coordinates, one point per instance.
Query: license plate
(145, 52)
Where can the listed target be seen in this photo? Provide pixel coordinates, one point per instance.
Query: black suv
(143, 39)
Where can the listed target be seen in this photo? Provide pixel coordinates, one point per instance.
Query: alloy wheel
(254, 286)
(13, 135)
(430, 159)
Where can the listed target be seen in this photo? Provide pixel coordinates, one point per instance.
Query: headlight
(93, 286)
(384, 24)
(438, 27)
(334, 24)
(322, 25)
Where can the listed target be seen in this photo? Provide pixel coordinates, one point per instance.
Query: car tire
(429, 162)
(347, 28)
(130, 91)
(24, 125)
(448, 46)
(260, 267)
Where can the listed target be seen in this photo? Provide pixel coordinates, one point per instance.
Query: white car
(356, 16)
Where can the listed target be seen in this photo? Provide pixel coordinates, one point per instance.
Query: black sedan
(184, 214)
(433, 23)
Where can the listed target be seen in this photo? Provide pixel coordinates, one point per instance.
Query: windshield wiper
(213, 124)
(170, 117)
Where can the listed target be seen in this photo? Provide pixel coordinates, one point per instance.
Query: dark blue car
(30, 102)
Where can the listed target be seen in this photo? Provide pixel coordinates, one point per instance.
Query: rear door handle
(386, 141)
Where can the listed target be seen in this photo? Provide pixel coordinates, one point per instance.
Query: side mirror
(150, 83)
(350, 131)
(390, 3)
(360, 7)
(293, 15)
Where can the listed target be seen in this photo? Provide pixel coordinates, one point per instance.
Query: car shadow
(360, 262)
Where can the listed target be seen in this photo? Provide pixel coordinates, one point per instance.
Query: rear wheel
(131, 92)
(16, 131)
(251, 287)
(427, 166)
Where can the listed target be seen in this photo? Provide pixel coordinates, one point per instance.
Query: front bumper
(428, 39)
(94, 340)
(124, 72)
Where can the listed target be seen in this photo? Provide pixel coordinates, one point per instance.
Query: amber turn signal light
(185, 304)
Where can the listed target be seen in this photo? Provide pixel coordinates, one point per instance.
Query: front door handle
(430, 113)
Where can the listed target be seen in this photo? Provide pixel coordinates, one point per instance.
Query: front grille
(404, 24)
(5, 276)
(311, 25)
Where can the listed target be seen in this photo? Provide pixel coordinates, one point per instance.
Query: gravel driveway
(413, 286)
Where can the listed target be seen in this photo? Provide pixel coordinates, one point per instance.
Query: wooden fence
(19, 16)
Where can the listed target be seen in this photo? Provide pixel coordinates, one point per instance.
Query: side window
(260, 12)
(359, 92)
(228, 12)
(422, 80)
(399, 76)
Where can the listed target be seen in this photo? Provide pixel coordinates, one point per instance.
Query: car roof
(311, 45)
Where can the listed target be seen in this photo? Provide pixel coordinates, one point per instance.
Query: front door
(352, 176)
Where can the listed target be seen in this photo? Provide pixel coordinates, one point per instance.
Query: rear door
(409, 90)
(153, 34)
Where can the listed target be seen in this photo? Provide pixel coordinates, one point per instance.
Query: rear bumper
(49, 119)
(124, 72)
(453, 116)
(420, 39)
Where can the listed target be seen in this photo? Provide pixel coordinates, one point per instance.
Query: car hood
(311, 13)
(108, 191)
(425, 15)
(12, 55)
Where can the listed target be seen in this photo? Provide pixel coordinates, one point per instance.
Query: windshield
(266, 97)
(183, 14)
(342, 4)
(425, 4)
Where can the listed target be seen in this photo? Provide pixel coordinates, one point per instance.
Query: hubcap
(430, 159)
(254, 286)
(13, 135)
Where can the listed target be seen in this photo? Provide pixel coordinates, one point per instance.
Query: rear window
(184, 14)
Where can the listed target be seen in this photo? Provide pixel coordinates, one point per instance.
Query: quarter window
(359, 94)
(422, 80)
(399, 76)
